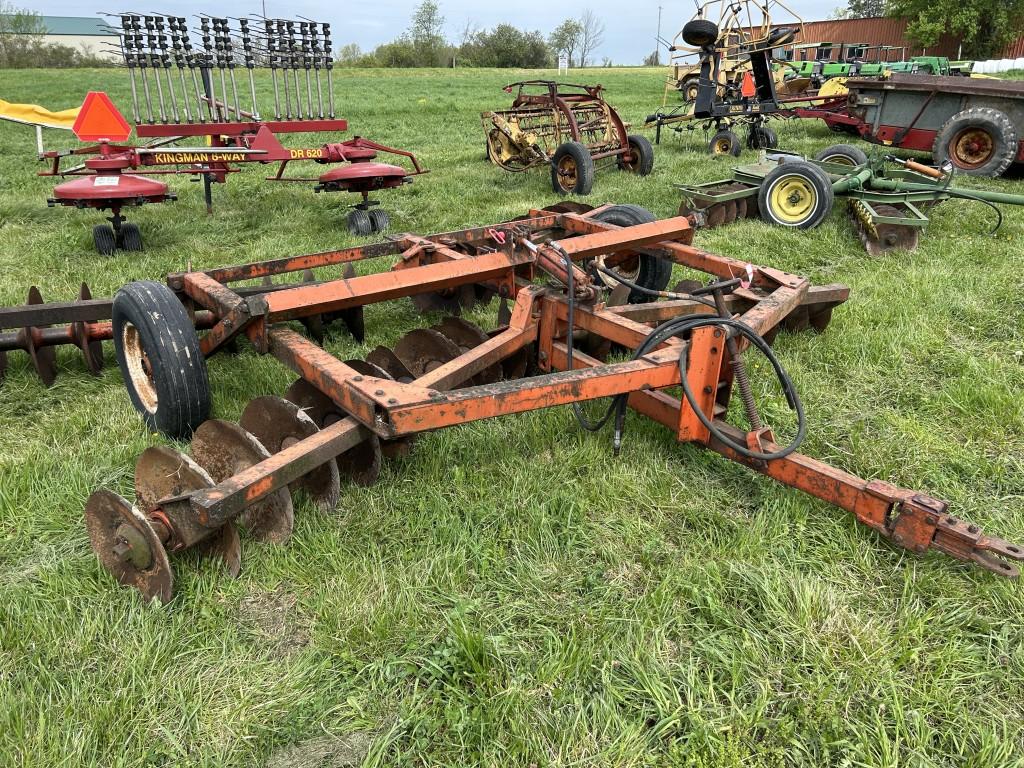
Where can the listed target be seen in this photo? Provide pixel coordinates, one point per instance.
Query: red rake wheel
(127, 546)
(361, 463)
(224, 449)
(278, 424)
(465, 335)
(163, 472)
(44, 359)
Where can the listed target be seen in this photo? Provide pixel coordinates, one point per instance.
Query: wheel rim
(139, 369)
(972, 148)
(691, 92)
(722, 146)
(568, 173)
(838, 160)
(628, 269)
(630, 165)
(792, 199)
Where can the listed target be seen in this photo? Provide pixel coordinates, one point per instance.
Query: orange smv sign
(99, 120)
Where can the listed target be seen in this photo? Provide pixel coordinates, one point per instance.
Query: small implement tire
(980, 142)
(359, 222)
(572, 169)
(130, 238)
(700, 33)
(649, 271)
(762, 137)
(842, 154)
(160, 359)
(643, 156)
(104, 239)
(797, 194)
(725, 143)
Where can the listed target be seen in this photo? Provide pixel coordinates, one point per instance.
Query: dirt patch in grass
(274, 620)
(324, 752)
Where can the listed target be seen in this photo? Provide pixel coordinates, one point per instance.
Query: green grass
(511, 594)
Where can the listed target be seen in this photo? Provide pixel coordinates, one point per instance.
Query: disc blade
(423, 349)
(359, 464)
(466, 335)
(384, 357)
(162, 472)
(436, 302)
(44, 359)
(224, 545)
(278, 424)
(391, 449)
(114, 524)
(224, 449)
(92, 350)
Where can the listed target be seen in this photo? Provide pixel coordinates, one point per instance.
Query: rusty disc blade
(741, 208)
(515, 365)
(504, 312)
(351, 318)
(730, 211)
(715, 215)
(466, 335)
(224, 545)
(224, 449)
(360, 464)
(437, 301)
(44, 359)
(278, 424)
(391, 449)
(163, 472)
(92, 350)
(484, 293)
(891, 237)
(385, 358)
(127, 546)
(423, 349)
(687, 286)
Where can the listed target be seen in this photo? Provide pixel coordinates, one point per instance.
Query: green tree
(506, 46)
(984, 26)
(566, 39)
(426, 32)
(864, 9)
(21, 35)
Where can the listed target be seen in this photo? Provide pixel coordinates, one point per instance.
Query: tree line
(424, 44)
(984, 27)
(22, 44)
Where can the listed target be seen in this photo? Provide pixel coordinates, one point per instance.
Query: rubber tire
(584, 168)
(762, 137)
(130, 238)
(812, 173)
(645, 152)
(734, 143)
(855, 155)
(104, 239)
(359, 223)
(655, 272)
(700, 33)
(996, 124)
(684, 88)
(169, 341)
(379, 220)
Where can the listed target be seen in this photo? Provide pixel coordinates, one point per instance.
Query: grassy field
(511, 594)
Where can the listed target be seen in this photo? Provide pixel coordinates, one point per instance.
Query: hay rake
(340, 419)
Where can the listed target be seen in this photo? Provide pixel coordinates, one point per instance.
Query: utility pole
(657, 41)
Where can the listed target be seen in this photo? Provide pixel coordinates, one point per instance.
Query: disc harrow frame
(368, 404)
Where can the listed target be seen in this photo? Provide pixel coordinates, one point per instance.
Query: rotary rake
(560, 342)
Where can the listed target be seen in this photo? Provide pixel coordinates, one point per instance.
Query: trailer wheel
(572, 169)
(129, 238)
(725, 143)
(980, 142)
(690, 88)
(359, 222)
(379, 220)
(160, 360)
(643, 156)
(762, 137)
(797, 194)
(104, 239)
(700, 32)
(842, 154)
(646, 270)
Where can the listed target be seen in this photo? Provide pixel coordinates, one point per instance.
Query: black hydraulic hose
(674, 327)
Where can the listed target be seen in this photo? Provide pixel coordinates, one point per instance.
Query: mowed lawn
(512, 594)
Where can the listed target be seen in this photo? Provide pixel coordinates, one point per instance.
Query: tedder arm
(340, 417)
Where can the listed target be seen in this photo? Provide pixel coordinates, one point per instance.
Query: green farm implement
(887, 196)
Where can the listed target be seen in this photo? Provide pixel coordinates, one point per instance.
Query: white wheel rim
(135, 361)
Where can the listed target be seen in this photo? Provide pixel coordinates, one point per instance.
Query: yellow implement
(40, 117)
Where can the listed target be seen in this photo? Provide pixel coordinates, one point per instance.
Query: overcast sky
(630, 28)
